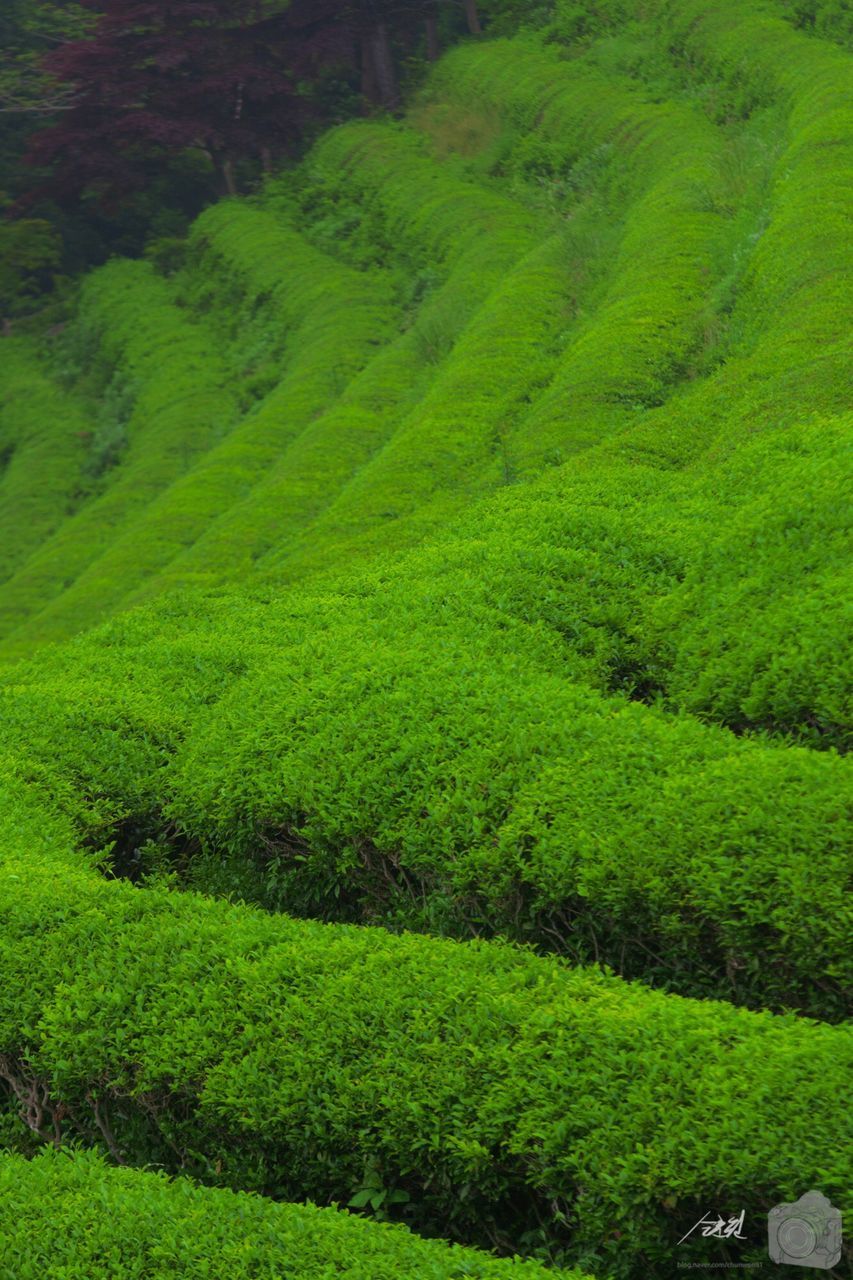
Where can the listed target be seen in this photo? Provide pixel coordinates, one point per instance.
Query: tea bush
(481, 481)
(44, 436)
(182, 406)
(81, 1219)
(503, 1093)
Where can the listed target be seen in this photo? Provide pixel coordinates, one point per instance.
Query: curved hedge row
(753, 635)
(507, 356)
(400, 472)
(506, 1095)
(310, 471)
(652, 312)
(803, 246)
(44, 438)
(292, 750)
(453, 444)
(457, 785)
(476, 263)
(79, 1219)
(512, 343)
(333, 320)
(182, 405)
(631, 247)
(414, 207)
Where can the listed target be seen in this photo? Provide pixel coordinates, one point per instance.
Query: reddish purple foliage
(225, 76)
(161, 76)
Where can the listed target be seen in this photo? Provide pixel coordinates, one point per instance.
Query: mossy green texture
(659, 620)
(618, 253)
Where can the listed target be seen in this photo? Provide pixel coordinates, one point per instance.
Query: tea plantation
(425, 686)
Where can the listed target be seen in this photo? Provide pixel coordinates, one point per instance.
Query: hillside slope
(447, 550)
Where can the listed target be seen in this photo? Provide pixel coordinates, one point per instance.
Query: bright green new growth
(485, 1084)
(485, 483)
(180, 405)
(43, 437)
(81, 1219)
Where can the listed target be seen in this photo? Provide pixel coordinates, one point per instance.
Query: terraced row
(489, 772)
(329, 447)
(151, 511)
(182, 403)
(90, 1221)
(502, 1097)
(323, 465)
(600, 711)
(615, 575)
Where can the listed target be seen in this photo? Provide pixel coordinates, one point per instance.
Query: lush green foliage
(487, 1084)
(174, 402)
(484, 484)
(44, 438)
(81, 1219)
(29, 257)
(490, 774)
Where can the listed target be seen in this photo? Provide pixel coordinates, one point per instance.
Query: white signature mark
(719, 1228)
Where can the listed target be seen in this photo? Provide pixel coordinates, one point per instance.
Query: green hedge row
(616, 576)
(781, 354)
(404, 456)
(410, 392)
(182, 404)
(804, 242)
(744, 657)
(531, 325)
(292, 750)
(44, 439)
(454, 444)
(412, 206)
(458, 784)
(589, 564)
(273, 304)
(419, 457)
(251, 243)
(64, 1218)
(504, 1098)
(488, 300)
(333, 319)
(268, 506)
(754, 634)
(652, 312)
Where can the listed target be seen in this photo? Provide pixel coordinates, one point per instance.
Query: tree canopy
(231, 80)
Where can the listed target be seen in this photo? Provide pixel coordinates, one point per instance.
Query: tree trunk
(383, 64)
(225, 167)
(473, 17)
(433, 49)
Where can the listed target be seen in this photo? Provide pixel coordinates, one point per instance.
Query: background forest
(120, 120)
